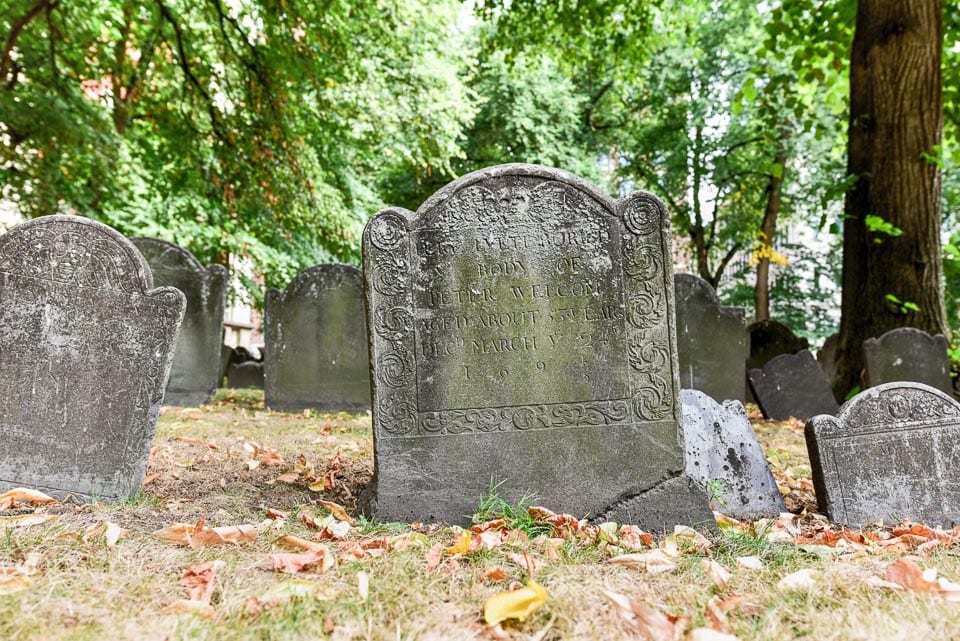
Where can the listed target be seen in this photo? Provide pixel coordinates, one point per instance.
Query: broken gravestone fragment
(86, 344)
(316, 342)
(908, 354)
(725, 460)
(792, 385)
(195, 373)
(891, 453)
(522, 335)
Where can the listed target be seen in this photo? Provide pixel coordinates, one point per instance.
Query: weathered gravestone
(724, 458)
(316, 342)
(792, 385)
(892, 453)
(827, 357)
(522, 334)
(245, 374)
(769, 339)
(908, 354)
(711, 340)
(195, 372)
(85, 350)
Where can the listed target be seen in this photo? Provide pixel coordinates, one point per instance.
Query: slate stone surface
(522, 332)
(86, 344)
(316, 342)
(892, 453)
(769, 339)
(792, 385)
(711, 340)
(245, 374)
(196, 362)
(722, 449)
(908, 354)
(827, 357)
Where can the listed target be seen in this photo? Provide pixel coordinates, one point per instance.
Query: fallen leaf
(337, 510)
(24, 495)
(514, 604)
(633, 538)
(908, 574)
(200, 578)
(651, 623)
(524, 561)
(25, 520)
(433, 557)
(113, 533)
(13, 581)
(277, 514)
(719, 574)
(363, 585)
(294, 562)
(494, 574)
(652, 562)
(298, 542)
(715, 613)
(271, 457)
(283, 592)
(805, 579)
(750, 562)
(461, 545)
(199, 534)
(289, 477)
(150, 478)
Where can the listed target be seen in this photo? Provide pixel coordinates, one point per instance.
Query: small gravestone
(908, 354)
(792, 385)
(892, 453)
(725, 460)
(245, 374)
(316, 342)
(196, 362)
(769, 339)
(522, 337)
(711, 341)
(827, 356)
(86, 344)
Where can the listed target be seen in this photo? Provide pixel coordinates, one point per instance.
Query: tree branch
(16, 28)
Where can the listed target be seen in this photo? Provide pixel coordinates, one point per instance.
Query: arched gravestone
(792, 385)
(711, 340)
(85, 350)
(769, 339)
(316, 342)
(892, 453)
(196, 362)
(522, 334)
(908, 354)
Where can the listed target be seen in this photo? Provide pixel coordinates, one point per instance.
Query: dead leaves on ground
(199, 534)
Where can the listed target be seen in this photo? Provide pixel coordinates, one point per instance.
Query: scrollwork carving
(647, 307)
(395, 370)
(387, 232)
(643, 216)
(397, 416)
(393, 322)
(651, 400)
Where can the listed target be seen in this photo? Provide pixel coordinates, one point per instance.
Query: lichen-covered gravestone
(522, 336)
(316, 342)
(85, 350)
(195, 372)
(724, 458)
(908, 354)
(711, 340)
(792, 385)
(892, 453)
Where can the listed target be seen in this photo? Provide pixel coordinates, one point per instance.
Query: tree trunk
(896, 118)
(768, 229)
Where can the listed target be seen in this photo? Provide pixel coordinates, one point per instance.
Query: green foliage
(877, 225)
(516, 515)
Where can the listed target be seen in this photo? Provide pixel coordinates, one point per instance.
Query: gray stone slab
(196, 363)
(245, 375)
(522, 332)
(792, 385)
(712, 341)
(892, 453)
(908, 354)
(86, 344)
(725, 460)
(827, 357)
(769, 339)
(316, 342)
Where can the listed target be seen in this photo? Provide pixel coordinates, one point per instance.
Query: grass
(81, 588)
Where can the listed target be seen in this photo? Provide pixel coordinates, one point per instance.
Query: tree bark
(896, 118)
(768, 229)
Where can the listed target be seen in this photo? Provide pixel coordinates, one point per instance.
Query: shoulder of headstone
(913, 334)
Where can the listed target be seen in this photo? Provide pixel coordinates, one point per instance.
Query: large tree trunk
(768, 229)
(896, 118)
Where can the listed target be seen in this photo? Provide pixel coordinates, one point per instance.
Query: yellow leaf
(336, 510)
(514, 604)
(462, 544)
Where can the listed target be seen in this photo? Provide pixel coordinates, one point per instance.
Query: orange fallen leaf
(719, 574)
(494, 574)
(200, 578)
(294, 562)
(24, 495)
(514, 604)
(652, 623)
(150, 478)
(524, 561)
(908, 574)
(199, 534)
(433, 557)
(337, 510)
(298, 542)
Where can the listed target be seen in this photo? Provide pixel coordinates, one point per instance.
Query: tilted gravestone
(522, 335)
(316, 342)
(725, 460)
(195, 373)
(769, 339)
(792, 385)
(711, 340)
(892, 453)
(908, 354)
(85, 350)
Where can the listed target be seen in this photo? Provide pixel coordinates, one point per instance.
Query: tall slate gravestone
(792, 385)
(892, 453)
(769, 339)
(908, 354)
(85, 350)
(316, 342)
(711, 340)
(195, 373)
(522, 334)
(722, 452)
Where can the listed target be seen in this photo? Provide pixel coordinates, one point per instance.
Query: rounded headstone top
(910, 335)
(692, 286)
(888, 406)
(75, 251)
(327, 274)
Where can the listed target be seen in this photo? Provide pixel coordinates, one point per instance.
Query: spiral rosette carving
(643, 216)
(394, 370)
(641, 261)
(389, 276)
(646, 355)
(387, 232)
(646, 308)
(397, 417)
(393, 323)
(524, 418)
(652, 400)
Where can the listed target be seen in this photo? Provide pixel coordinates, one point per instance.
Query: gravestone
(86, 344)
(724, 458)
(792, 385)
(316, 342)
(711, 340)
(769, 339)
(245, 374)
(196, 362)
(827, 356)
(908, 354)
(522, 337)
(892, 453)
